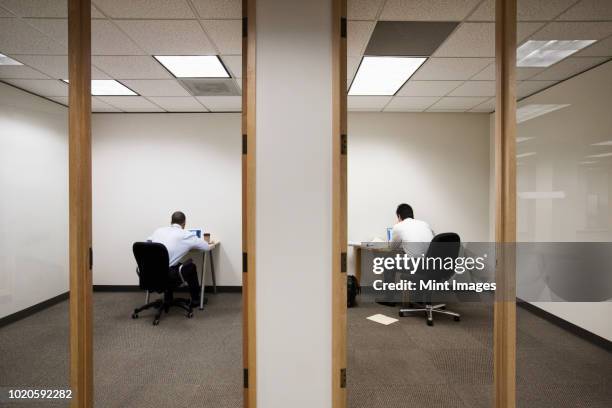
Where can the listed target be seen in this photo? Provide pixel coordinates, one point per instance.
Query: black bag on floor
(352, 289)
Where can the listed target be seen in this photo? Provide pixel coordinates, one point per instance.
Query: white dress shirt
(178, 241)
(413, 236)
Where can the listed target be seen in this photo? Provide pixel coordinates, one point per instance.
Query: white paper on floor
(382, 319)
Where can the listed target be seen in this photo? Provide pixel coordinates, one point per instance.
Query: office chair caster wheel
(155, 322)
(457, 318)
(134, 315)
(189, 315)
(430, 322)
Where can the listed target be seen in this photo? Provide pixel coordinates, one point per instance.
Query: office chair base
(430, 310)
(163, 305)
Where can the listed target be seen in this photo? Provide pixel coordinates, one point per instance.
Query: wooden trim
(79, 128)
(504, 338)
(248, 203)
(339, 207)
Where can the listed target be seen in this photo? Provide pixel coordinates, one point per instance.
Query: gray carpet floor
(197, 362)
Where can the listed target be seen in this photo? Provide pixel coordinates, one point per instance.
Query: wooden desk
(358, 247)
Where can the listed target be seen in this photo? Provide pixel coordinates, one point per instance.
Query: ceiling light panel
(383, 75)
(108, 87)
(4, 60)
(547, 53)
(193, 66)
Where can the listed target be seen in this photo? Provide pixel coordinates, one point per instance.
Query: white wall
(293, 203)
(145, 166)
(33, 200)
(436, 162)
(562, 142)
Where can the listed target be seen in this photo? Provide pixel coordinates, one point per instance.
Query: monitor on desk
(196, 231)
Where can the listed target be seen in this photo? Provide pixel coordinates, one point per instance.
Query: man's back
(177, 241)
(409, 233)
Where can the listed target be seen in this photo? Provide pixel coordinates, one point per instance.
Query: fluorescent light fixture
(539, 195)
(383, 75)
(546, 53)
(595, 156)
(193, 66)
(4, 60)
(520, 156)
(527, 112)
(523, 139)
(606, 143)
(108, 87)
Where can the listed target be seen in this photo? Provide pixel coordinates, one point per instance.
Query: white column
(293, 202)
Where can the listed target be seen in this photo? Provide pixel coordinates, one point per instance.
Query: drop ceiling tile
(410, 103)
(225, 34)
(218, 9)
(451, 68)
(469, 40)
(55, 66)
(525, 30)
(589, 10)
(427, 10)
(487, 106)
(522, 73)
(568, 68)
(179, 104)
(574, 31)
(527, 10)
(145, 8)
(17, 37)
(352, 64)
(527, 88)
(37, 8)
(96, 104)
(601, 48)
(131, 103)
(234, 64)
(131, 67)
(475, 88)
(43, 87)
(461, 103)
(221, 103)
(56, 28)
(156, 87)
(367, 103)
(428, 88)
(20, 72)
(168, 37)
(107, 39)
(358, 35)
(362, 9)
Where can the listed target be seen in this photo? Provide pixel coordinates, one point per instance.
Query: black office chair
(446, 245)
(154, 276)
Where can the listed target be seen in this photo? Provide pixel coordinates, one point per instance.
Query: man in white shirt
(410, 235)
(178, 242)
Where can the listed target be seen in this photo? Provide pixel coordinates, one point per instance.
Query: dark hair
(404, 211)
(178, 217)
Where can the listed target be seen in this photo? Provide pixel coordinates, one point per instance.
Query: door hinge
(90, 258)
(245, 260)
(246, 377)
(245, 27)
(244, 144)
(343, 27)
(343, 378)
(343, 262)
(343, 144)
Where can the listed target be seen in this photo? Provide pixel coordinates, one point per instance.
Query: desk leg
(212, 271)
(358, 264)
(202, 285)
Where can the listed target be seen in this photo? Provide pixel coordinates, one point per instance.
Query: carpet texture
(197, 362)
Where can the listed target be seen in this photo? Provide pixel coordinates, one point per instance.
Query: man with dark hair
(178, 242)
(410, 235)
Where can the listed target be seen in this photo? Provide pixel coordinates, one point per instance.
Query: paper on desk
(382, 319)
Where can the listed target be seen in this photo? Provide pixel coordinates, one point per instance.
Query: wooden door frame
(79, 158)
(248, 203)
